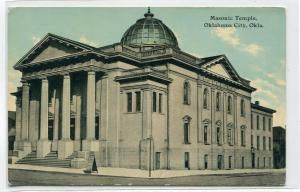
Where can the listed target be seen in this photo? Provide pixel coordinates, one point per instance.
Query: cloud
(35, 39)
(85, 40)
(228, 35)
(277, 79)
(252, 48)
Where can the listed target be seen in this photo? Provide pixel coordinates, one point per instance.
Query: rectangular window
(264, 143)
(264, 162)
(257, 142)
(264, 122)
(218, 136)
(229, 161)
(160, 96)
(205, 161)
(187, 160)
(242, 137)
(270, 162)
(257, 162)
(257, 122)
(157, 160)
(154, 102)
(186, 133)
(205, 134)
(243, 162)
(251, 140)
(129, 102)
(220, 162)
(229, 136)
(270, 147)
(138, 101)
(270, 124)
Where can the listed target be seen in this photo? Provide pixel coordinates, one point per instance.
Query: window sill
(187, 143)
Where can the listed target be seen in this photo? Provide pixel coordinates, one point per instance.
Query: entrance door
(253, 160)
(219, 161)
(187, 160)
(157, 160)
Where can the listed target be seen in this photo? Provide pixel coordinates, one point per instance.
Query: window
(229, 134)
(257, 122)
(270, 125)
(220, 162)
(205, 135)
(270, 145)
(218, 136)
(160, 96)
(243, 137)
(186, 129)
(251, 140)
(257, 162)
(186, 132)
(154, 102)
(251, 121)
(218, 98)
(186, 93)
(138, 101)
(229, 103)
(264, 123)
(205, 98)
(243, 162)
(242, 108)
(270, 162)
(129, 102)
(205, 161)
(264, 162)
(229, 162)
(257, 142)
(186, 160)
(264, 143)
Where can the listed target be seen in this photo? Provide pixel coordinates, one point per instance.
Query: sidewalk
(123, 172)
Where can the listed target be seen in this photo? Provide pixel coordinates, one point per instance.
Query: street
(38, 178)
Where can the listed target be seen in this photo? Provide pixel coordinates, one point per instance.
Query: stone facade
(149, 106)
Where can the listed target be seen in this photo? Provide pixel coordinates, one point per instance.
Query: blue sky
(258, 54)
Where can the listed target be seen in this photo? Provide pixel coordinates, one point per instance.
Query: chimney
(256, 102)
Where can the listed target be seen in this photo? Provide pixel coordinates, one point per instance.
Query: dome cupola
(149, 32)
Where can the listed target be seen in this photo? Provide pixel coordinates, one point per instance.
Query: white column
(66, 107)
(44, 110)
(65, 145)
(90, 119)
(25, 110)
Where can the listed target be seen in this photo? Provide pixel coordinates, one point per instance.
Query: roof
(262, 108)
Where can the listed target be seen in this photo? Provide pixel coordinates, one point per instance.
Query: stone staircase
(50, 160)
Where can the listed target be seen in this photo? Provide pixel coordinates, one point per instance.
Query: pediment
(50, 47)
(221, 66)
(219, 69)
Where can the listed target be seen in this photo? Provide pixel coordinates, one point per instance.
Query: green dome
(149, 31)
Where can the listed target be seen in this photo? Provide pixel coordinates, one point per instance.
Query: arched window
(186, 93)
(242, 107)
(205, 98)
(229, 104)
(218, 99)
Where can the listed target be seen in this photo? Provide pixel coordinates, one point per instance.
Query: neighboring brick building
(138, 103)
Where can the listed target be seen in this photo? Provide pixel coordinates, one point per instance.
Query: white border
(292, 60)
